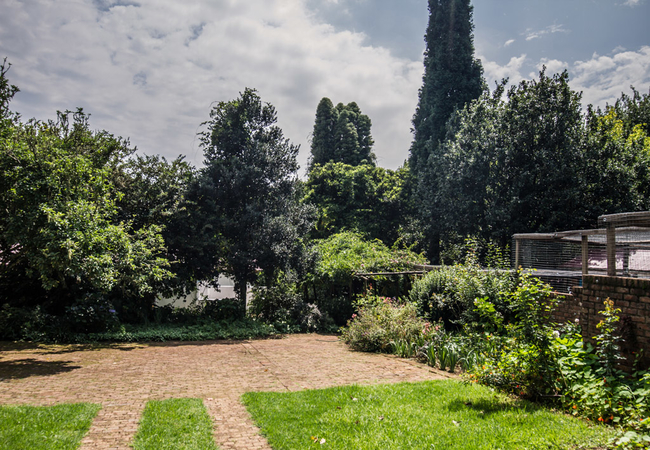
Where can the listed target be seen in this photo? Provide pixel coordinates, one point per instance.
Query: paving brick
(122, 378)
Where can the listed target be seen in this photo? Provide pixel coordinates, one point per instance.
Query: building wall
(631, 295)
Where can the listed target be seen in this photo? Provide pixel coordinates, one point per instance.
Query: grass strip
(45, 427)
(429, 415)
(178, 423)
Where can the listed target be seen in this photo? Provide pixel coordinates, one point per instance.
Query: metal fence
(620, 246)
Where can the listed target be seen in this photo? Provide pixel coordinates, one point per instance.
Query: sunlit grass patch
(45, 427)
(428, 415)
(180, 423)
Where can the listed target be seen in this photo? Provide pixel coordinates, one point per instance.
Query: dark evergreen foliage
(248, 215)
(341, 134)
(452, 76)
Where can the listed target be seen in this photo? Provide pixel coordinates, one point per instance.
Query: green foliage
(511, 164)
(430, 415)
(332, 284)
(523, 361)
(341, 134)
(448, 351)
(59, 427)
(450, 292)
(282, 305)
(363, 198)
(380, 324)
(607, 348)
(200, 331)
(175, 423)
(617, 156)
(59, 238)
(248, 214)
(343, 254)
(452, 76)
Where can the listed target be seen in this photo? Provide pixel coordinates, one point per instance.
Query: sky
(150, 70)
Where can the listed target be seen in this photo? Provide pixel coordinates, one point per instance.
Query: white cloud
(552, 66)
(632, 2)
(150, 72)
(551, 29)
(601, 79)
(494, 72)
(509, 42)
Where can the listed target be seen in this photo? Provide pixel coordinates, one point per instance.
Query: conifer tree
(341, 134)
(452, 76)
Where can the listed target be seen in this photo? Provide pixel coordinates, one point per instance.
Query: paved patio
(122, 378)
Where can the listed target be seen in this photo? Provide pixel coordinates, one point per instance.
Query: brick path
(122, 378)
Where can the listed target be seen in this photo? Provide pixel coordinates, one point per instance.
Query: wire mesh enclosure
(620, 246)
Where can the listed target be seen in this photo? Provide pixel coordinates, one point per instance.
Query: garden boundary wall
(631, 295)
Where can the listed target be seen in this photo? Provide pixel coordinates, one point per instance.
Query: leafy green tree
(617, 162)
(362, 198)
(513, 165)
(246, 197)
(452, 76)
(633, 110)
(62, 246)
(341, 134)
(152, 189)
(58, 238)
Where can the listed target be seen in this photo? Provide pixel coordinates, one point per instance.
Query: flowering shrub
(379, 322)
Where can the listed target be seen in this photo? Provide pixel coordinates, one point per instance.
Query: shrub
(380, 323)
(282, 306)
(449, 293)
(341, 256)
(93, 313)
(523, 362)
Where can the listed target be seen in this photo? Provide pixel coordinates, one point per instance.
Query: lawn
(45, 427)
(179, 423)
(428, 415)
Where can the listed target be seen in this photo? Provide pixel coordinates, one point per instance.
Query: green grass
(429, 415)
(45, 427)
(179, 423)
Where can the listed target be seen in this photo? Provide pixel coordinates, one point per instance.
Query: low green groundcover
(45, 427)
(179, 423)
(428, 415)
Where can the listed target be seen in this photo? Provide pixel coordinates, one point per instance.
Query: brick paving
(122, 378)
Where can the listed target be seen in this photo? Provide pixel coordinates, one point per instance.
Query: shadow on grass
(493, 406)
(29, 367)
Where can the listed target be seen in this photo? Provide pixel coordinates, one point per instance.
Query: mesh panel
(557, 258)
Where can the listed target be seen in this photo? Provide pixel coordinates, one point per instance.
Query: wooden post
(516, 254)
(611, 250)
(585, 255)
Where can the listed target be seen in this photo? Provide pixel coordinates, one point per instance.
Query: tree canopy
(341, 134)
(533, 162)
(452, 76)
(246, 195)
(364, 198)
(60, 237)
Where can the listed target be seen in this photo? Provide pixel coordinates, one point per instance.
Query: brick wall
(631, 295)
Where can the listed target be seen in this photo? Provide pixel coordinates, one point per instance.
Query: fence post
(516, 254)
(611, 250)
(585, 254)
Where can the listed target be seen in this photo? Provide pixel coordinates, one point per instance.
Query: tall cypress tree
(452, 76)
(341, 134)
